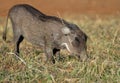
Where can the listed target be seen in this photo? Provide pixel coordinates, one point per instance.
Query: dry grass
(103, 50)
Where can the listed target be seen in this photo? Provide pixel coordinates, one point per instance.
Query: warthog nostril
(82, 56)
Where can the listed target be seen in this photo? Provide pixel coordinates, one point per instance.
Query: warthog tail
(5, 29)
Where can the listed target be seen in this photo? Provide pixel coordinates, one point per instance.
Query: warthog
(49, 32)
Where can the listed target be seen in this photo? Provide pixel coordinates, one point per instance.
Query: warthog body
(49, 32)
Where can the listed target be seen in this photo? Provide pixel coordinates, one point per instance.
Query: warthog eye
(66, 34)
(86, 38)
(76, 42)
(77, 39)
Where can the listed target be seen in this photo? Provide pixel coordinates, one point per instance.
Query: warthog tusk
(66, 45)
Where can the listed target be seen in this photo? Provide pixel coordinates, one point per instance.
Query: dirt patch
(66, 6)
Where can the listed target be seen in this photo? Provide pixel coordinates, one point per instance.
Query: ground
(53, 7)
(103, 50)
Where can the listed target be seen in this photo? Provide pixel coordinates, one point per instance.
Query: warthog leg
(17, 44)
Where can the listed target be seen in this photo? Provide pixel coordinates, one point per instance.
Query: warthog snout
(83, 56)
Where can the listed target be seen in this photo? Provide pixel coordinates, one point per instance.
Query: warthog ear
(65, 30)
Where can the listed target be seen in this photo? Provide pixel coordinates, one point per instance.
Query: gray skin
(49, 32)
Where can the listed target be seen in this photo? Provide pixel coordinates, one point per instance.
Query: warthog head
(75, 41)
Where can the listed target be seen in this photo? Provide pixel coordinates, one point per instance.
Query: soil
(53, 7)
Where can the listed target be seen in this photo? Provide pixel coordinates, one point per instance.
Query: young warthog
(51, 33)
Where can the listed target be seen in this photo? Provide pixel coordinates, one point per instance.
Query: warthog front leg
(49, 55)
(56, 53)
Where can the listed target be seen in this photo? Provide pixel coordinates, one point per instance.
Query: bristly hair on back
(40, 15)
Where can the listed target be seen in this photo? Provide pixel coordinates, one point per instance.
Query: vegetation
(102, 67)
